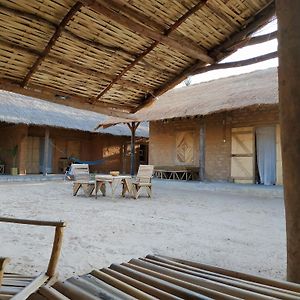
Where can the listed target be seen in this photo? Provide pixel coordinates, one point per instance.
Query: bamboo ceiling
(117, 56)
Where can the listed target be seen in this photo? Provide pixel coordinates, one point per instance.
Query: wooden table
(114, 182)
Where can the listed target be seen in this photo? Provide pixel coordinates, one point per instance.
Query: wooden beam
(74, 66)
(142, 30)
(56, 96)
(71, 13)
(152, 46)
(254, 23)
(234, 64)
(256, 40)
(258, 21)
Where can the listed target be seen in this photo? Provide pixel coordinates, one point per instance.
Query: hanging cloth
(266, 154)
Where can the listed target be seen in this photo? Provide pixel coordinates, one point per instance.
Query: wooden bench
(21, 286)
(161, 277)
(176, 173)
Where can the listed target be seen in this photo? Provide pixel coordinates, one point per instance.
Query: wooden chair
(143, 181)
(82, 179)
(21, 286)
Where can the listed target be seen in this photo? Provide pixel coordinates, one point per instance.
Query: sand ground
(237, 230)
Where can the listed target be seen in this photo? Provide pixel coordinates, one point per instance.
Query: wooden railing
(57, 242)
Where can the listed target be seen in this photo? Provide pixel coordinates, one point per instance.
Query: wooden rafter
(110, 12)
(74, 66)
(256, 40)
(99, 46)
(234, 64)
(152, 46)
(60, 97)
(52, 41)
(219, 52)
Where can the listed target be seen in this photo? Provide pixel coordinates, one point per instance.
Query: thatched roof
(255, 88)
(117, 54)
(18, 109)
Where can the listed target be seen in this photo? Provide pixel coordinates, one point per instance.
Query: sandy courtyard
(236, 231)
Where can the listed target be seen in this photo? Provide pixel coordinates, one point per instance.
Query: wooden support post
(56, 249)
(202, 153)
(46, 151)
(133, 126)
(124, 150)
(289, 105)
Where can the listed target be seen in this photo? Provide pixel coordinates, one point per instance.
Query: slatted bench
(176, 173)
(20, 286)
(161, 277)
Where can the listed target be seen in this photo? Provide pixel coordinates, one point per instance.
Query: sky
(244, 53)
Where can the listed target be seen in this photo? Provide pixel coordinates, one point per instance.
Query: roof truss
(117, 56)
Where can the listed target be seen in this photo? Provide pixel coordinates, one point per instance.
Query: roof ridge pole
(57, 33)
(289, 110)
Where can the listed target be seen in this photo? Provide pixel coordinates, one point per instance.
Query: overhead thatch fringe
(20, 109)
(209, 97)
(79, 53)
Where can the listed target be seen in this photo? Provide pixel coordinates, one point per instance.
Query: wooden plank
(31, 288)
(33, 222)
(51, 293)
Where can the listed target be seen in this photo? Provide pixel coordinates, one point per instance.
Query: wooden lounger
(161, 277)
(19, 286)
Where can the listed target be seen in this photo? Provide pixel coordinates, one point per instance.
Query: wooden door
(242, 155)
(33, 155)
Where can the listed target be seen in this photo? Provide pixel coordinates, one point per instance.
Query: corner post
(202, 152)
(46, 151)
(289, 105)
(133, 126)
